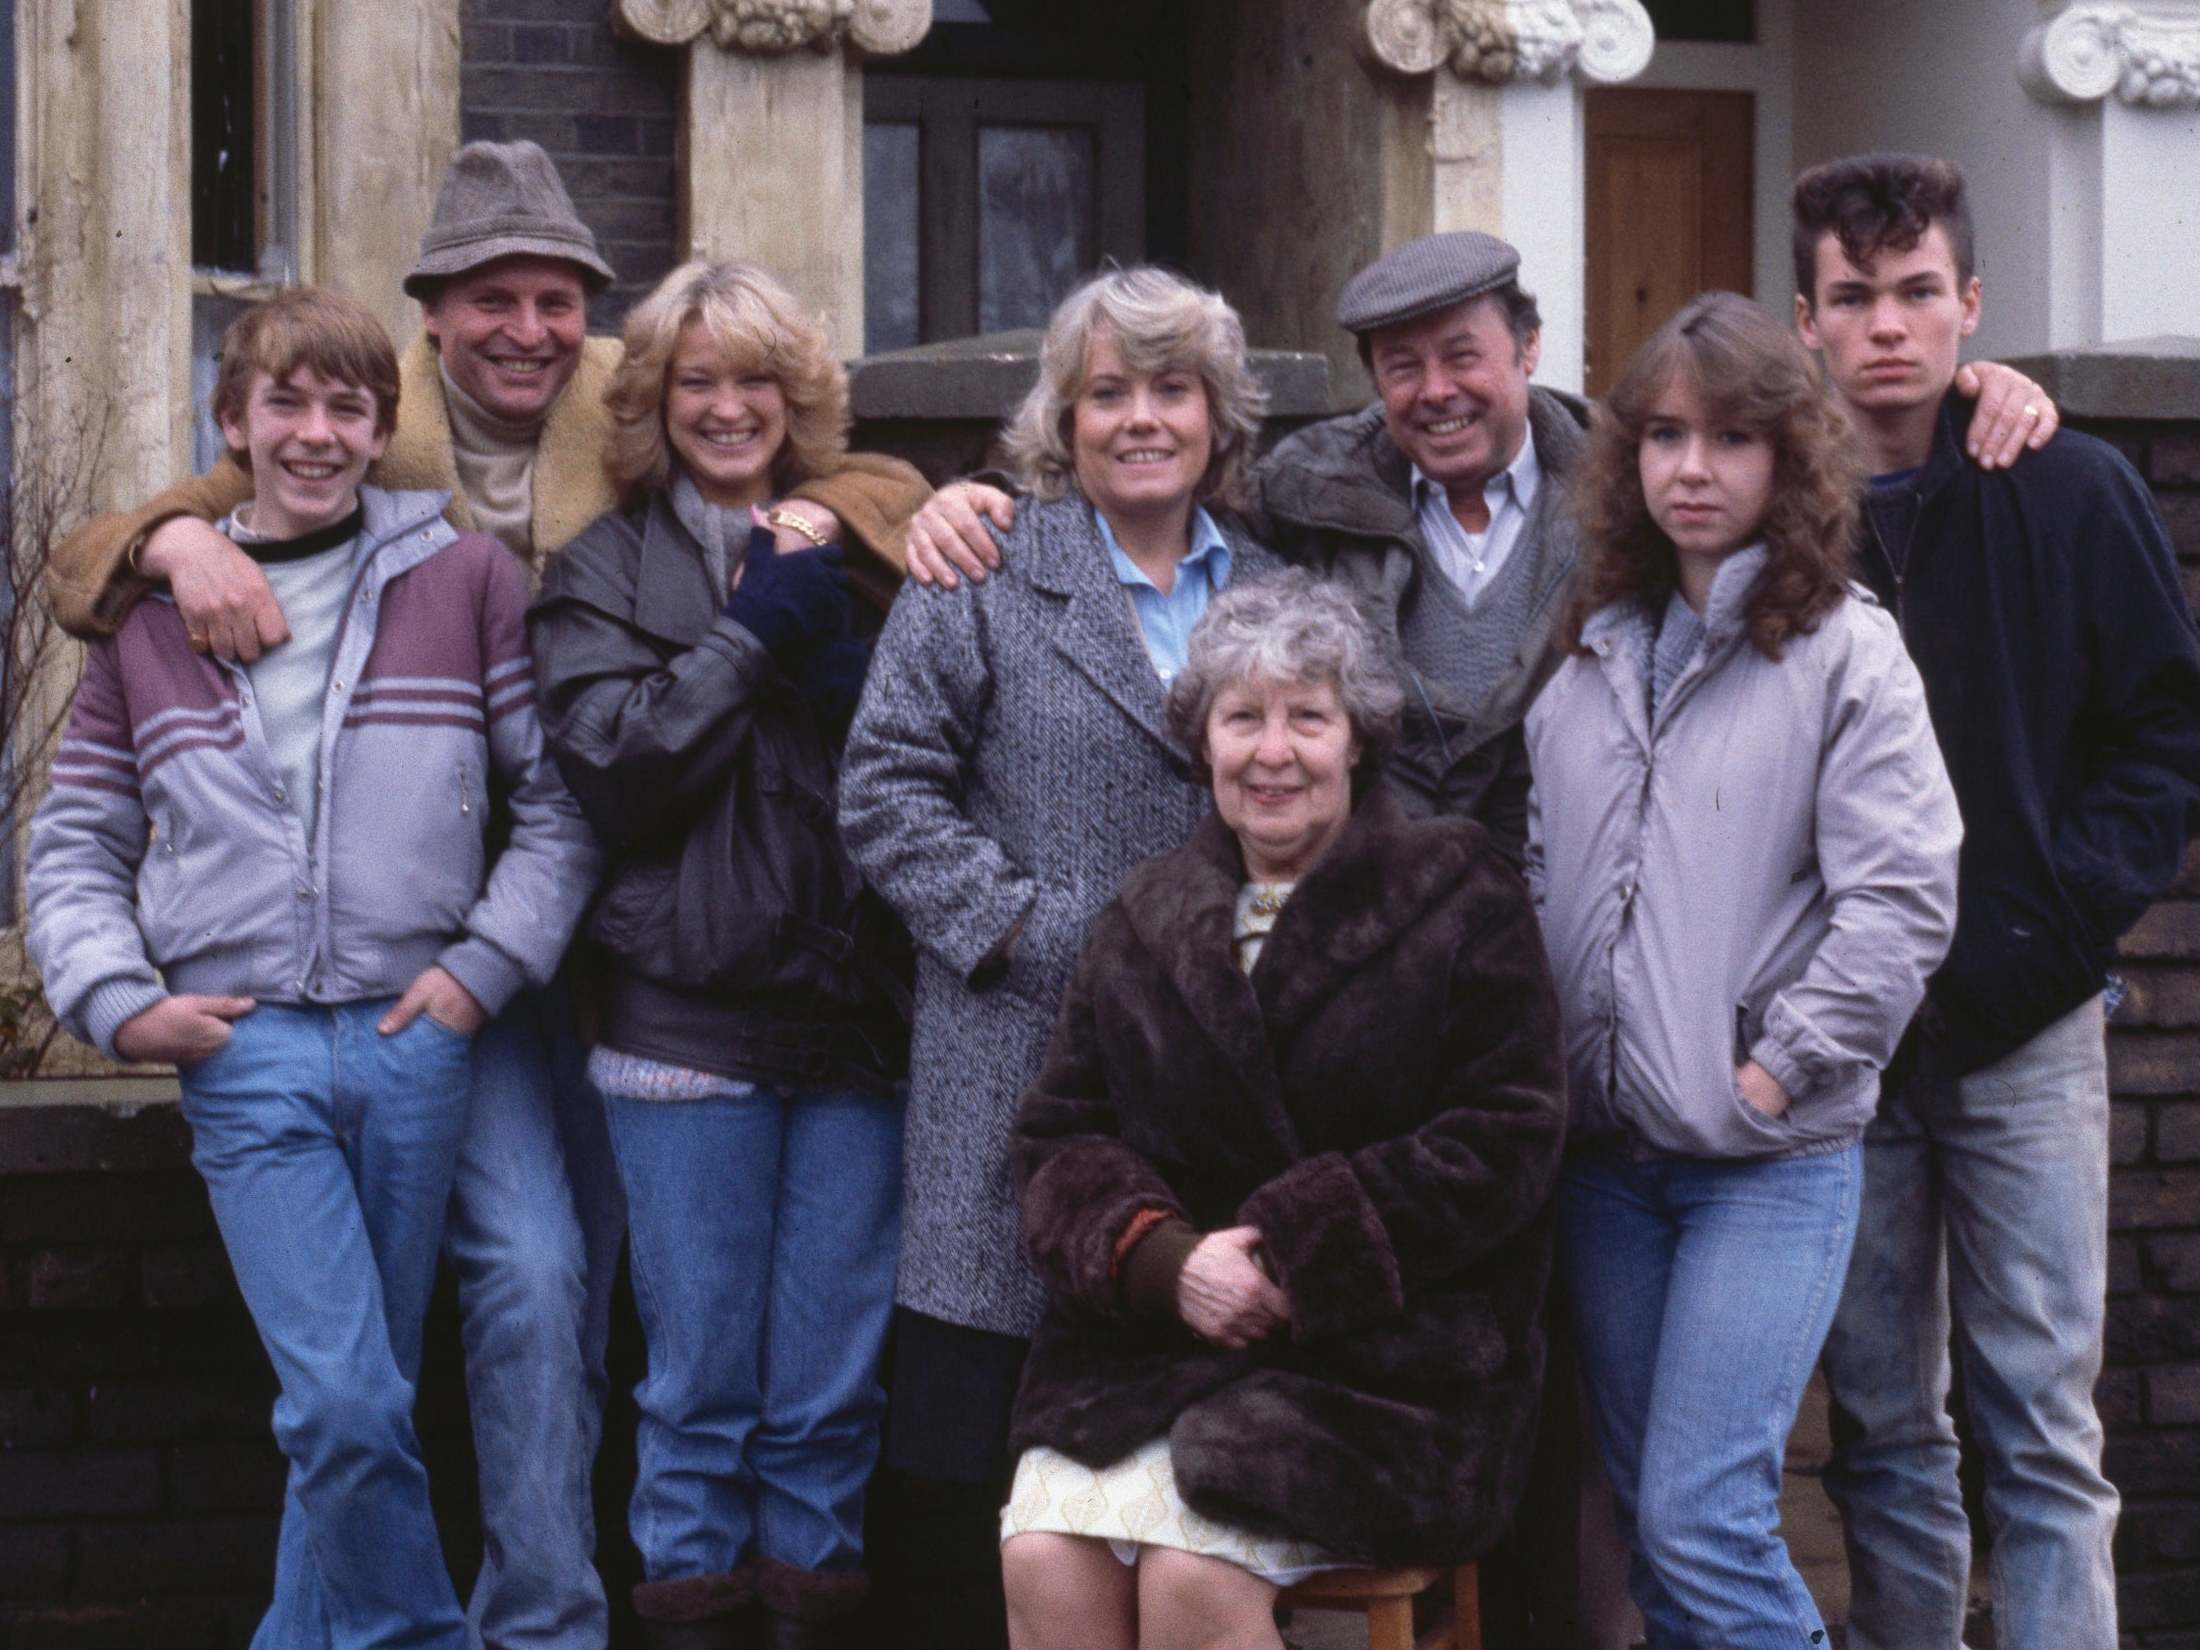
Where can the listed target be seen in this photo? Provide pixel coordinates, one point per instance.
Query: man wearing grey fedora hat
(500, 405)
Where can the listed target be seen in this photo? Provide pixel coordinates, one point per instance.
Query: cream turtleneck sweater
(495, 459)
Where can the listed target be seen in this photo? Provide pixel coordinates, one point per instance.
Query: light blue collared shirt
(1472, 560)
(1167, 620)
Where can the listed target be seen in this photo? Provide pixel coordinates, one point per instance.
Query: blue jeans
(1701, 1292)
(762, 1237)
(327, 1149)
(534, 1233)
(1985, 1196)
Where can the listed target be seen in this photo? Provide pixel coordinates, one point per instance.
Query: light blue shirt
(1167, 620)
(1472, 560)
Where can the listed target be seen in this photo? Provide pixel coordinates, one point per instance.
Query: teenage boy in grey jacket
(274, 875)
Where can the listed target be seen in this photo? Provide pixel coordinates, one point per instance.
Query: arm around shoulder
(874, 496)
(89, 576)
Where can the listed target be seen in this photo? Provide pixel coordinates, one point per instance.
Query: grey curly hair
(1160, 322)
(1292, 627)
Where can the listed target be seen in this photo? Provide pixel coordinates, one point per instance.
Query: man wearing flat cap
(500, 405)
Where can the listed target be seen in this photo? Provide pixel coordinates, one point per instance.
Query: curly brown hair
(1752, 374)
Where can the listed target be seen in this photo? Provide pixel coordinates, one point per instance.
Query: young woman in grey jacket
(1743, 844)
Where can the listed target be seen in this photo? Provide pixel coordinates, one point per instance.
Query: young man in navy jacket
(2061, 663)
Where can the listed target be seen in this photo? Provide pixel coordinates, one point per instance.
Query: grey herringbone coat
(1008, 764)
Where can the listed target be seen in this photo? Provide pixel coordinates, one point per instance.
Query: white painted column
(2122, 207)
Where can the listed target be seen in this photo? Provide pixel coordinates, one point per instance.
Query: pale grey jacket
(1008, 765)
(166, 856)
(1764, 870)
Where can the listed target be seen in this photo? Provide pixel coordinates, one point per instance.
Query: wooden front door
(1669, 194)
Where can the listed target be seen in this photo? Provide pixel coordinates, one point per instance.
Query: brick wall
(139, 1482)
(2150, 1392)
(603, 106)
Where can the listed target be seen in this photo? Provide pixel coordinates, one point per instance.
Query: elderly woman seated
(1284, 1174)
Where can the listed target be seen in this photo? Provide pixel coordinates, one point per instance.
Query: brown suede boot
(716, 1612)
(807, 1609)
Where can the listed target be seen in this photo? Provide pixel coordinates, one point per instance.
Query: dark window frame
(948, 111)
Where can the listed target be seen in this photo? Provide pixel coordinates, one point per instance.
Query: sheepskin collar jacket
(1382, 1096)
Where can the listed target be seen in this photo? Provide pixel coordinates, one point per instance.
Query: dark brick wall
(604, 107)
(2150, 1391)
(139, 1482)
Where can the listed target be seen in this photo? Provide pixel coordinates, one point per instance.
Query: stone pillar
(771, 146)
(106, 143)
(379, 87)
(1504, 80)
(2120, 217)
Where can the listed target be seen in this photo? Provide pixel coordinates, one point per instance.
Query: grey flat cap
(1424, 276)
(503, 200)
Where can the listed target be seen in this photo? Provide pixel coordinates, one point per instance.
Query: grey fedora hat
(501, 200)
(1424, 276)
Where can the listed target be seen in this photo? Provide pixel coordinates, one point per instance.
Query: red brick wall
(2150, 1391)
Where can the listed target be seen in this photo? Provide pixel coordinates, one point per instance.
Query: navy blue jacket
(2043, 607)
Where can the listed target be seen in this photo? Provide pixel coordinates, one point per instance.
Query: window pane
(210, 318)
(1728, 21)
(890, 249)
(1036, 210)
(223, 136)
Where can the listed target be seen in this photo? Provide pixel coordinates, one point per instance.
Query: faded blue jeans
(1701, 1291)
(535, 1223)
(763, 1232)
(1985, 1201)
(327, 1149)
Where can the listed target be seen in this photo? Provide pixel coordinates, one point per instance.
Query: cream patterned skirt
(1134, 1502)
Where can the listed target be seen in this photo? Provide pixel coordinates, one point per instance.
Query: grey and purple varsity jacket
(165, 850)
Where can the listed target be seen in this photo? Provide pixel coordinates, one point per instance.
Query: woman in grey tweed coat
(1008, 766)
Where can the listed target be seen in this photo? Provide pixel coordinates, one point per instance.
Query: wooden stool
(1386, 1596)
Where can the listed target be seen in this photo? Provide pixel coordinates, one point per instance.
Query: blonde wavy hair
(757, 323)
(1162, 323)
(1754, 373)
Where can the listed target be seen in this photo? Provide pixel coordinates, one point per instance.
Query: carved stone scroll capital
(2147, 55)
(1495, 41)
(877, 28)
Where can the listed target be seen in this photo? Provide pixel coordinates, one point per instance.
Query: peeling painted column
(771, 147)
(2117, 205)
(382, 113)
(1504, 81)
(106, 338)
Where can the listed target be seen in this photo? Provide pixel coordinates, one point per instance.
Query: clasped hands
(1225, 1296)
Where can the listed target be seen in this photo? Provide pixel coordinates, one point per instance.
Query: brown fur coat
(1383, 1098)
